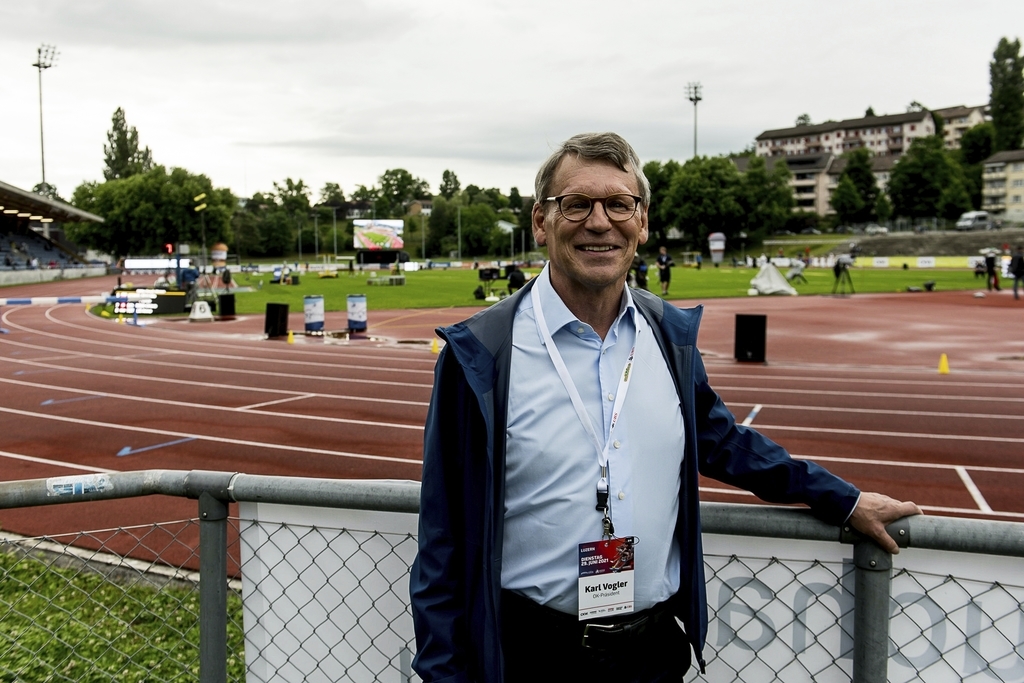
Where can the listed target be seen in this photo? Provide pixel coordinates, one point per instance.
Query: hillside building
(1003, 191)
(888, 135)
(957, 120)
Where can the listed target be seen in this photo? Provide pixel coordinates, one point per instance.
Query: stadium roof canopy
(15, 202)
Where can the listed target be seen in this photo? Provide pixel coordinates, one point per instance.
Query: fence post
(213, 589)
(873, 580)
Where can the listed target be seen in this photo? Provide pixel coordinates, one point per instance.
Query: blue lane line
(54, 401)
(127, 450)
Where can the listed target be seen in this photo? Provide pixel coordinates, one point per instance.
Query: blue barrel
(313, 308)
(357, 312)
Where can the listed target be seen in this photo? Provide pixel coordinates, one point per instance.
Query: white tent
(770, 281)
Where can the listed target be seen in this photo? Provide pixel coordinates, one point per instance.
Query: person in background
(1017, 269)
(664, 263)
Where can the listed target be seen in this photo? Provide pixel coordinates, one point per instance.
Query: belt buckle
(598, 628)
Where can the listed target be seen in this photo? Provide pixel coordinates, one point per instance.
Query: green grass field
(447, 288)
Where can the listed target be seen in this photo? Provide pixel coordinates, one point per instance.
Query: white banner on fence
(880, 262)
(325, 597)
(925, 261)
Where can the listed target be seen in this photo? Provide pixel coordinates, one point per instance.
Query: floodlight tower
(46, 56)
(693, 93)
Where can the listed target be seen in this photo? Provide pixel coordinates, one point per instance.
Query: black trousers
(542, 644)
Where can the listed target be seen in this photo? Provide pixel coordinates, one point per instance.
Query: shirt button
(616, 443)
(579, 330)
(611, 397)
(622, 496)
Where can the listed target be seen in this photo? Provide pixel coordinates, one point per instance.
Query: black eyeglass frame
(604, 205)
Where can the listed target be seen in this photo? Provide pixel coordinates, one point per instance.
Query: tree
(331, 195)
(704, 196)
(145, 211)
(976, 145)
(398, 187)
(870, 111)
(449, 184)
(927, 181)
(659, 176)
(883, 208)
(803, 120)
(122, 156)
(47, 190)
(1006, 103)
(858, 170)
(766, 197)
(847, 201)
(515, 202)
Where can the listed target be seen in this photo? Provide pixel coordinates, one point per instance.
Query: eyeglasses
(578, 207)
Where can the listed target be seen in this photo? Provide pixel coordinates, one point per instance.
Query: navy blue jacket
(455, 581)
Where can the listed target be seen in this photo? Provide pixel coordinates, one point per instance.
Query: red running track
(850, 382)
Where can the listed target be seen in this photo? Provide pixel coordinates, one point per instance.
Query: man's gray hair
(594, 147)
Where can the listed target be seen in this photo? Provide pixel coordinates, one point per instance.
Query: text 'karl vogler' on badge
(606, 577)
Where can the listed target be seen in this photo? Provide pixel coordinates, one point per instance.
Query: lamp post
(423, 238)
(334, 220)
(460, 229)
(46, 56)
(199, 208)
(693, 93)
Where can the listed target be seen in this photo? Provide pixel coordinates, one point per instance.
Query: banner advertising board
(378, 234)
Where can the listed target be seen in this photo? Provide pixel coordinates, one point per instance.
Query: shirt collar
(558, 315)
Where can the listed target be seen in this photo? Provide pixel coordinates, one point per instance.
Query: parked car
(810, 231)
(873, 229)
(974, 220)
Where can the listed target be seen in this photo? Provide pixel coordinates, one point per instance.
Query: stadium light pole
(693, 93)
(46, 56)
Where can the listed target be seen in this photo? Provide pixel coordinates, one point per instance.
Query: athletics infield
(850, 382)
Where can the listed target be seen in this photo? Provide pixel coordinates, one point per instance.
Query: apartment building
(814, 177)
(1003, 191)
(959, 119)
(888, 135)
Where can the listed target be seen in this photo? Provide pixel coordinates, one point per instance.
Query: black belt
(599, 634)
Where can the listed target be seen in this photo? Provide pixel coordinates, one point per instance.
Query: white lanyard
(577, 400)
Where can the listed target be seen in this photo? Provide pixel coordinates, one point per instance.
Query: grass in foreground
(60, 624)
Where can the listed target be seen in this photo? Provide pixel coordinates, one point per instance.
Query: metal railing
(305, 597)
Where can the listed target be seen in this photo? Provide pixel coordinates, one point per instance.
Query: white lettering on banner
(880, 262)
(949, 620)
(926, 262)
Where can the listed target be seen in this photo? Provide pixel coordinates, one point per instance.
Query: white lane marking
(898, 435)
(752, 415)
(276, 402)
(879, 411)
(55, 463)
(178, 366)
(925, 508)
(839, 379)
(207, 343)
(873, 394)
(922, 465)
(972, 488)
(192, 405)
(219, 440)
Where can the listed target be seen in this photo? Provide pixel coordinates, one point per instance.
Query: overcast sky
(252, 92)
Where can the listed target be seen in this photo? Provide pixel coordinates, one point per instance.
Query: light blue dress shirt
(551, 469)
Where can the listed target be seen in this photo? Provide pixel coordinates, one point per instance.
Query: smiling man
(560, 521)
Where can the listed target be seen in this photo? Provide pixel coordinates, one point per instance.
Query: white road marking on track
(278, 401)
(926, 508)
(207, 343)
(214, 439)
(900, 463)
(972, 488)
(945, 385)
(207, 368)
(208, 406)
(752, 415)
(219, 356)
(875, 394)
(899, 435)
(55, 463)
(876, 411)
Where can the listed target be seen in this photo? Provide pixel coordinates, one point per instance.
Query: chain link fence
(321, 593)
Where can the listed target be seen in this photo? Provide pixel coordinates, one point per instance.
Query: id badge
(606, 577)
